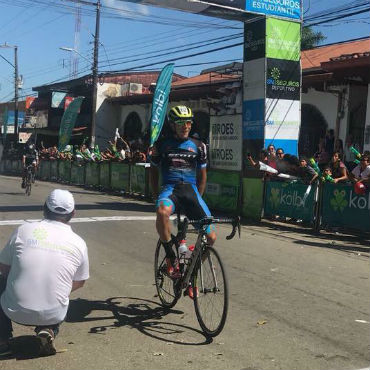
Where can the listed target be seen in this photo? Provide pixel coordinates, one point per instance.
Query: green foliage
(310, 38)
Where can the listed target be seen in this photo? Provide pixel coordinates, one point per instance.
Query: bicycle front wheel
(166, 287)
(28, 185)
(210, 289)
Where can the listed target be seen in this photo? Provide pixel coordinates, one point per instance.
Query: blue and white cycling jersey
(179, 160)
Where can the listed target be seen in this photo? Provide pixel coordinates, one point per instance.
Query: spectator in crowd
(41, 264)
(329, 142)
(361, 173)
(306, 173)
(271, 150)
(327, 174)
(349, 156)
(338, 147)
(338, 169)
(322, 156)
(53, 153)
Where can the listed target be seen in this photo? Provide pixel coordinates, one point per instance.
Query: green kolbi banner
(77, 174)
(104, 175)
(222, 190)
(138, 179)
(120, 176)
(341, 206)
(252, 198)
(64, 171)
(91, 174)
(290, 200)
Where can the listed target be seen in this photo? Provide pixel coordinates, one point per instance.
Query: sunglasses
(184, 122)
(278, 153)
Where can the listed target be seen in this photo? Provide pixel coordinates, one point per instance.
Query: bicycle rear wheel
(166, 287)
(212, 301)
(28, 185)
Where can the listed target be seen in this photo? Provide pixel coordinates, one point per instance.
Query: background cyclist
(30, 157)
(182, 161)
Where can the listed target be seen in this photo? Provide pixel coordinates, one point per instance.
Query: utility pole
(16, 92)
(15, 66)
(95, 76)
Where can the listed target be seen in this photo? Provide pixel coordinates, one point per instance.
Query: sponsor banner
(29, 101)
(68, 122)
(91, 173)
(341, 206)
(283, 79)
(254, 79)
(160, 101)
(283, 39)
(281, 8)
(290, 200)
(67, 101)
(57, 99)
(282, 119)
(254, 40)
(104, 178)
(222, 190)
(252, 198)
(120, 176)
(253, 119)
(138, 179)
(226, 142)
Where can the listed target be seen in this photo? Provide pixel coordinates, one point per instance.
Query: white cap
(60, 201)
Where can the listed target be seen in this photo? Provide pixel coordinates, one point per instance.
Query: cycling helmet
(180, 112)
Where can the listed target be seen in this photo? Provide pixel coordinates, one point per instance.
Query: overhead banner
(226, 142)
(231, 8)
(255, 40)
(280, 8)
(68, 122)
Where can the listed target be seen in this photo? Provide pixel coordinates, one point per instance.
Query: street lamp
(74, 51)
(15, 85)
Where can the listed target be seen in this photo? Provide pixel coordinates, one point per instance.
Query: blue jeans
(6, 327)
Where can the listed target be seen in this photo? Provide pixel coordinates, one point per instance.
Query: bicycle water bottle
(183, 249)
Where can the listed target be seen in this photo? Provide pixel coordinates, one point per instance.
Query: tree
(310, 38)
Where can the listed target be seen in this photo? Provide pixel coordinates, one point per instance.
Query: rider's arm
(201, 179)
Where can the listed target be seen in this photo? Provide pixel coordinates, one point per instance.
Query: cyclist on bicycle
(30, 157)
(183, 162)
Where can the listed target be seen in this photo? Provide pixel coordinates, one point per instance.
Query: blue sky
(130, 33)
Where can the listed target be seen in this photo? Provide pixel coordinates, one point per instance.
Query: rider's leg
(211, 234)
(163, 225)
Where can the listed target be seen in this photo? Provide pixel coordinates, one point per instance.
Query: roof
(206, 79)
(312, 59)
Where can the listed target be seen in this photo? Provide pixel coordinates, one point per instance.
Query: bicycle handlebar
(235, 222)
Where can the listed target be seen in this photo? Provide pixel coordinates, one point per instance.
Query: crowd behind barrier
(320, 205)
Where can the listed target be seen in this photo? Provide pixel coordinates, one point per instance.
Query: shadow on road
(144, 315)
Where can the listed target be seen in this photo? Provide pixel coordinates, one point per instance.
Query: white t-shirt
(45, 258)
(361, 175)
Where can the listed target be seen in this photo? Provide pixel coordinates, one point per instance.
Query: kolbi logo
(285, 198)
(341, 200)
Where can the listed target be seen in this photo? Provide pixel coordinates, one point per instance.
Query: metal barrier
(321, 205)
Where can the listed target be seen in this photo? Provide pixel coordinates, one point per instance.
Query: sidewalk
(358, 244)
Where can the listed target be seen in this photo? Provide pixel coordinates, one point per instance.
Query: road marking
(87, 219)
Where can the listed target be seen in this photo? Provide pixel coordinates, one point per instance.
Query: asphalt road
(296, 301)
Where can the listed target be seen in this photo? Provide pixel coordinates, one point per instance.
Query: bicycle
(29, 179)
(204, 271)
